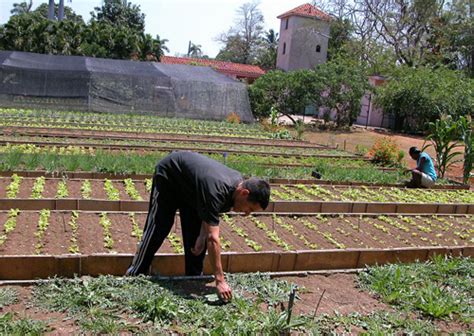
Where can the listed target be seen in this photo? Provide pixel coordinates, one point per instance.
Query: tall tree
(51, 10)
(69, 14)
(268, 51)
(120, 13)
(22, 8)
(242, 41)
(194, 50)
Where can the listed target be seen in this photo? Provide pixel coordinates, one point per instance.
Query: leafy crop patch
(440, 288)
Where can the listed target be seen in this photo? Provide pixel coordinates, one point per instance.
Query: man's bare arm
(214, 249)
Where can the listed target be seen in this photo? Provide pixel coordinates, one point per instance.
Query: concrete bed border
(28, 267)
(296, 207)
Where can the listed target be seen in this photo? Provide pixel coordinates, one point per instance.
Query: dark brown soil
(22, 240)
(4, 182)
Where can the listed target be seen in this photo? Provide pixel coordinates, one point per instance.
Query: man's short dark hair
(414, 150)
(259, 191)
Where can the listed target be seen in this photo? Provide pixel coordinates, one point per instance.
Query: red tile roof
(306, 10)
(228, 68)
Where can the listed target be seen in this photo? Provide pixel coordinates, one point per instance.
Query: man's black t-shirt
(202, 183)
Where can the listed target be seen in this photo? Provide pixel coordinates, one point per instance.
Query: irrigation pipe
(199, 277)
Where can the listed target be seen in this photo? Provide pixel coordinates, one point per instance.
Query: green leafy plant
(73, 247)
(465, 127)
(10, 224)
(86, 189)
(62, 189)
(106, 225)
(113, 193)
(38, 187)
(148, 184)
(131, 190)
(176, 244)
(443, 138)
(9, 325)
(8, 296)
(136, 231)
(14, 186)
(42, 226)
(436, 288)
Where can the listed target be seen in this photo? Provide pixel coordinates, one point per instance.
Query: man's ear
(244, 192)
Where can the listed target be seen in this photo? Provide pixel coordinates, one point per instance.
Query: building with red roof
(244, 72)
(306, 10)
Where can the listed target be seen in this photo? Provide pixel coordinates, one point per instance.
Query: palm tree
(21, 8)
(194, 50)
(271, 38)
(51, 10)
(155, 46)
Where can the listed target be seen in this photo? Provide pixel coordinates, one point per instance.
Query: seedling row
(63, 232)
(122, 122)
(138, 190)
(162, 144)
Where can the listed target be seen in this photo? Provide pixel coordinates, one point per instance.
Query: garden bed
(107, 145)
(111, 176)
(123, 135)
(64, 232)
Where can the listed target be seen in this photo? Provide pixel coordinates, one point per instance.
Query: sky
(181, 21)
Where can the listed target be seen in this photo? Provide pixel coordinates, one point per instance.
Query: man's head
(414, 152)
(251, 195)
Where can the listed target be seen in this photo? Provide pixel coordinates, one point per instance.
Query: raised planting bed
(170, 146)
(63, 232)
(304, 192)
(139, 177)
(115, 135)
(116, 195)
(153, 124)
(43, 243)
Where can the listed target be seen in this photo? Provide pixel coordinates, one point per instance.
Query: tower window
(284, 48)
(318, 48)
(286, 23)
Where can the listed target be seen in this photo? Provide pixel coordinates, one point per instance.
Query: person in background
(424, 175)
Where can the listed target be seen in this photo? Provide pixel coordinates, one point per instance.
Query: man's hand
(223, 290)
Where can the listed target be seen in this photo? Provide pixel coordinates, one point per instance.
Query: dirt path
(348, 140)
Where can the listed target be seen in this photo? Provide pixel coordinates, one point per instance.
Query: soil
(347, 232)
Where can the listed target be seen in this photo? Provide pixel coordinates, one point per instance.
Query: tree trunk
(51, 10)
(61, 10)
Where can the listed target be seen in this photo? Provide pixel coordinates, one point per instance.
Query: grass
(8, 296)
(10, 325)
(441, 288)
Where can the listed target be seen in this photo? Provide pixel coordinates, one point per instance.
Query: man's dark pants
(161, 213)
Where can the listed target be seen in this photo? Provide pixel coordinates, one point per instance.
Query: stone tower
(304, 35)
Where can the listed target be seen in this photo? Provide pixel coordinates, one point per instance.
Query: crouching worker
(200, 188)
(424, 175)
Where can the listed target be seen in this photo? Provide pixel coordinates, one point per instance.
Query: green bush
(417, 96)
